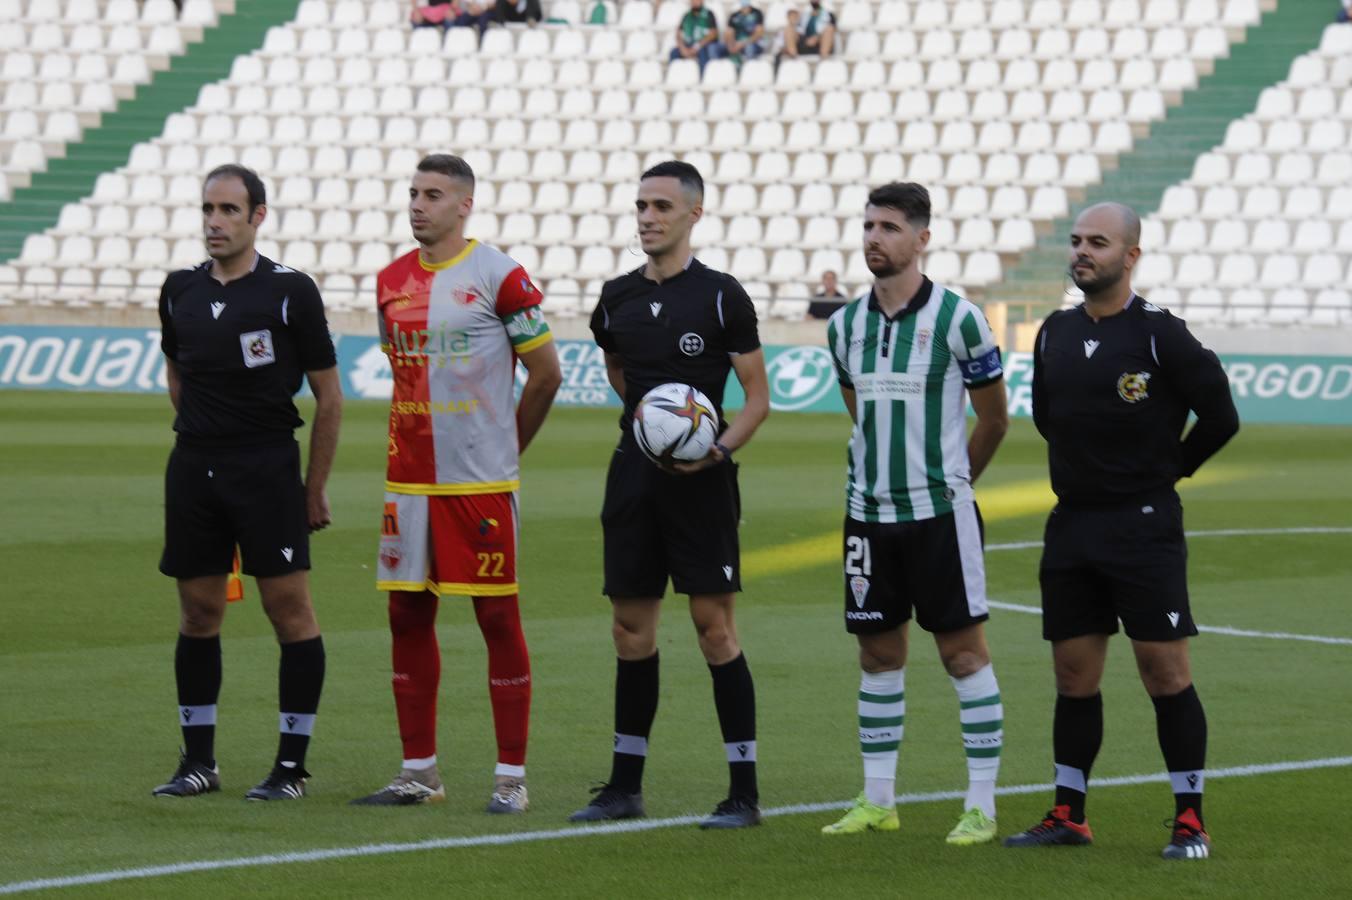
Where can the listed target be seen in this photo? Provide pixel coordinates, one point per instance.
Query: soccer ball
(675, 422)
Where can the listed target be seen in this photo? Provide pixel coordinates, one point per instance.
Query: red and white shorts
(463, 545)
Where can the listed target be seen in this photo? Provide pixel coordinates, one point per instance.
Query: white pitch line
(1217, 532)
(1208, 629)
(490, 840)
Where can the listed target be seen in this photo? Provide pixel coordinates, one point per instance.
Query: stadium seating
(1004, 108)
(67, 61)
(1261, 234)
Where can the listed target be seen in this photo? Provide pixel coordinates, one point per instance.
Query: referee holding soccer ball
(675, 320)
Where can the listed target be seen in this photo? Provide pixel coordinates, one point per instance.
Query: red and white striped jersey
(452, 332)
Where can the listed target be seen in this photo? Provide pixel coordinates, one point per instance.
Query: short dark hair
(258, 195)
(687, 174)
(448, 165)
(909, 198)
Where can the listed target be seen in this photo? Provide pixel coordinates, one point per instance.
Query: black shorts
(215, 499)
(1126, 561)
(658, 525)
(934, 566)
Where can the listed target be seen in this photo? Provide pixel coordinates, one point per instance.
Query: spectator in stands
(527, 11)
(695, 35)
(810, 36)
(744, 37)
(1345, 14)
(827, 298)
(451, 14)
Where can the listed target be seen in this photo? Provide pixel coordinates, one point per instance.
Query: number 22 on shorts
(490, 564)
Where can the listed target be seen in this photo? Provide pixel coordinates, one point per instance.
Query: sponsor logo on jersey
(859, 588)
(1132, 386)
(217, 307)
(438, 346)
(389, 524)
(691, 344)
(1089, 348)
(282, 270)
(464, 295)
(257, 347)
(486, 524)
(656, 307)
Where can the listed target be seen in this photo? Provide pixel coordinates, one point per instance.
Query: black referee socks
(300, 678)
(735, 700)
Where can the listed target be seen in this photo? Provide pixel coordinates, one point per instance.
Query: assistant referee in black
(676, 320)
(1114, 380)
(239, 331)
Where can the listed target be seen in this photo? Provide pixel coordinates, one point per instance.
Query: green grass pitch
(87, 721)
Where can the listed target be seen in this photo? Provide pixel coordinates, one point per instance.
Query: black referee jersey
(685, 329)
(1112, 397)
(241, 350)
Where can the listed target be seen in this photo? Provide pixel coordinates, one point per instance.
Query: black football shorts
(215, 499)
(1126, 561)
(933, 567)
(659, 525)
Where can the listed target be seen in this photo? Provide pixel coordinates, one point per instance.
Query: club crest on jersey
(859, 588)
(391, 556)
(922, 339)
(464, 295)
(257, 347)
(691, 344)
(1132, 386)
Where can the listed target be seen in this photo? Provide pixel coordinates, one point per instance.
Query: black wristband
(727, 454)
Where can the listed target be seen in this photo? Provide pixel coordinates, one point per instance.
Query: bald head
(1104, 246)
(1116, 219)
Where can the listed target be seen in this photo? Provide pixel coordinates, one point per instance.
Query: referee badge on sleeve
(257, 347)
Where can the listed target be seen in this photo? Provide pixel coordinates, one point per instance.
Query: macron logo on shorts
(1173, 618)
(727, 572)
(289, 552)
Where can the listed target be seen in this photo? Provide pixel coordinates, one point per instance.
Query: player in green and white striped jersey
(908, 354)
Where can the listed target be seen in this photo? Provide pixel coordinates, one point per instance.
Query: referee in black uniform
(1113, 382)
(239, 331)
(675, 320)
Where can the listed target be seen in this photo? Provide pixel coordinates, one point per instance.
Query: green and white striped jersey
(908, 452)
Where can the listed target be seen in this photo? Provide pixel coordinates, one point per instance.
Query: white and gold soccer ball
(675, 423)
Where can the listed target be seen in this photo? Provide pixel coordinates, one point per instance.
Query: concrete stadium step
(108, 145)
(1167, 156)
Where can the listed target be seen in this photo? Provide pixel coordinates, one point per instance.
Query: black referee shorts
(215, 499)
(1126, 561)
(659, 525)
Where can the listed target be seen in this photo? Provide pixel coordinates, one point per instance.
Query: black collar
(914, 305)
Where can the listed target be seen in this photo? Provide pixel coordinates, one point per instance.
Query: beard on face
(888, 268)
(1098, 280)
